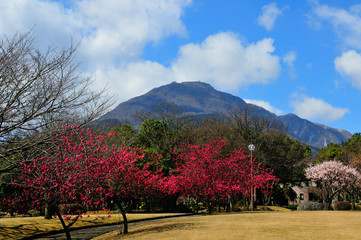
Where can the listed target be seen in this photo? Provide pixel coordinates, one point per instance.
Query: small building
(304, 191)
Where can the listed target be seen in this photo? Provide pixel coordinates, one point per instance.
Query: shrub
(358, 207)
(292, 207)
(342, 206)
(33, 213)
(309, 206)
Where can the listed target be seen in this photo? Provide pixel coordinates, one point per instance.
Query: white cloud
(111, 31)
(118, 27)
(265, 105)
(119, 30)
(289, 59)
(346, 23)
(316, 109)
(348, 64)
(220, 60)
(136, 78)
(225, 62)
(52, 24)
(269, 15)
(113, 36)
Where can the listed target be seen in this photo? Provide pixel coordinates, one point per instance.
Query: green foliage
(344, 152)
(34, 213)
(286, 156)
(353, 144)
(126, 136)
(158, 139)
(290, 194)
(333, 152)
(274, 148)
(292, 207)
(281, 196)
(154, 133)
(342, 206)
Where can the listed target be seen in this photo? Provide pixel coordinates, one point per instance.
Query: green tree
(345, 152)
(273, 147)
(154, 133)
(286, 156)
(125, 136)
(158, 138)
(332, 152)
(351, 148)
(353, 144)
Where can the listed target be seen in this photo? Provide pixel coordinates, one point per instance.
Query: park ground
(19, 227)
(277, 224)
(317, 225)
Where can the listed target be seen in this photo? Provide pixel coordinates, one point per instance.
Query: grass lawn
(15, 228)
(258, 225)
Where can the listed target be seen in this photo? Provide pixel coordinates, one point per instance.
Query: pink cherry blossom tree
(334, 177)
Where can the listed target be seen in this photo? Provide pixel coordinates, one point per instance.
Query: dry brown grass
(15, 228)
(259, 225)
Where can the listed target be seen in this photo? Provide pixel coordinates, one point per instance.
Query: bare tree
(40, 91)
(250, 125)
(176, 116)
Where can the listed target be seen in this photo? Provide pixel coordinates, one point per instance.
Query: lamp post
(251, 147)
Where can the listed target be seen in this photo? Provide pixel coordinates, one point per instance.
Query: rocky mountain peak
(201, 98)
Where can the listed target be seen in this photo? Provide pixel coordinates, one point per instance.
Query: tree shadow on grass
(18, 231)
(164, 227)
(28, 230)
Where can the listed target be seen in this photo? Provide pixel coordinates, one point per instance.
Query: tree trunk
(125, 220)
(196, 209)
(352, 201)
(229, 204)
(48, 211)
(210, 208)
(66, 228)
(324, 197)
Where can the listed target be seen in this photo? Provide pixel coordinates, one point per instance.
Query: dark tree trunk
(125, 220)
(229, 205)
(49, 210)
(352, 201)
(210, 208)
(196, 208)
(65, 227)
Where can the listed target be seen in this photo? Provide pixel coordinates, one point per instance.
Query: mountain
(200, 98)
(314, 134)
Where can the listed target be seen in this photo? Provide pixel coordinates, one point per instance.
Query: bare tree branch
(40, 91)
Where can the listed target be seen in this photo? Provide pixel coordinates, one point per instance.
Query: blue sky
(301, 57)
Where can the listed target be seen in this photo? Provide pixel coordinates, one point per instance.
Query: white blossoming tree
(335, 177)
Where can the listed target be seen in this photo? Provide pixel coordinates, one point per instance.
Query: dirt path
(83, 233)
(95, 231)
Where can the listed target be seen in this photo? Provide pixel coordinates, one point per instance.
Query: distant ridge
(200, 98)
